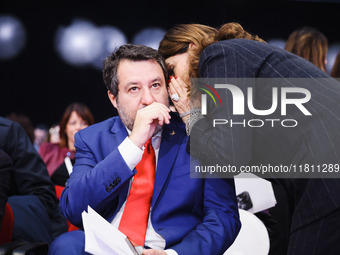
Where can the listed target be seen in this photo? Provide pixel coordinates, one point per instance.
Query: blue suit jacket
(195, 216)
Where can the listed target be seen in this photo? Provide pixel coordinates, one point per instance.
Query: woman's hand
(178, 87)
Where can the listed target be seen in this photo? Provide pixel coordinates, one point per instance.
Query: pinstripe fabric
(319, 237)
(316, 140)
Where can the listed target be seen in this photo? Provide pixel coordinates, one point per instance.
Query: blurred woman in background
(336, 67)
(59, 158)
(309, 43)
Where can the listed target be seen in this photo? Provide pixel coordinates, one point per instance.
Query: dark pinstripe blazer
(315, 140)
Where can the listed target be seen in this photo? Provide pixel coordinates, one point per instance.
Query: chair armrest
(7, 248)
(39, 248)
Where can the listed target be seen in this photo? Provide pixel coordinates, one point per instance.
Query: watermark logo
(261, 102)
(243, 120)
(204, 97)
(239, 100)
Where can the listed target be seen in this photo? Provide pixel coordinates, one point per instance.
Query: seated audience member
(40, 135)
(336, 67)
(59, 158)
(25, 122)
(116, 157)
(309, 43)
(30, 191)
(5, 170)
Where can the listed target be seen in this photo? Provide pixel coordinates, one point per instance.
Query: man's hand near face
(153, 252)
(146, 122)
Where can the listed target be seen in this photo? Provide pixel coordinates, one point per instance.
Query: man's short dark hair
(133, 53)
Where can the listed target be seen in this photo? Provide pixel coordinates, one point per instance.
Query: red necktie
(135, 217)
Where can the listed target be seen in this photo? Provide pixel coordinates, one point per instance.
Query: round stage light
(149, 36)
(111, 38)
(12, 37)
(79, 44)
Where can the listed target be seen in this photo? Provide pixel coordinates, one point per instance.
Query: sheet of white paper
(102, 238)
(260, 190)
(93, 244)
(253, 238)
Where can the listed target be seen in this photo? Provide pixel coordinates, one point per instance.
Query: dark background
(39, 84)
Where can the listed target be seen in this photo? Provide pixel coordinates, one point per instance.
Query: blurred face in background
(40, 136)
(54, 134)
(74, 124)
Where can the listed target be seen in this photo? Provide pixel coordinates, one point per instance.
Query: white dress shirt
(132, 155)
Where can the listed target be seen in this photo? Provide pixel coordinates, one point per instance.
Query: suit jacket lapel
(119, 133)
(172, 137)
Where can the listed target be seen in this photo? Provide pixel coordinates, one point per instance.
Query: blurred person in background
(309, 43)
(25, 122)
(26, 186)
(5, 170)
(336, 67)
(59, 157)
(40, 135)
(53, 134)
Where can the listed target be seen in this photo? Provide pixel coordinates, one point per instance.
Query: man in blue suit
(187, 216)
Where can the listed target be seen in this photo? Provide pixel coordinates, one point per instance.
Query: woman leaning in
(232, 54)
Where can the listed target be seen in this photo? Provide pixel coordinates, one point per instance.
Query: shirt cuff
(170, 252)
(130, 153)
